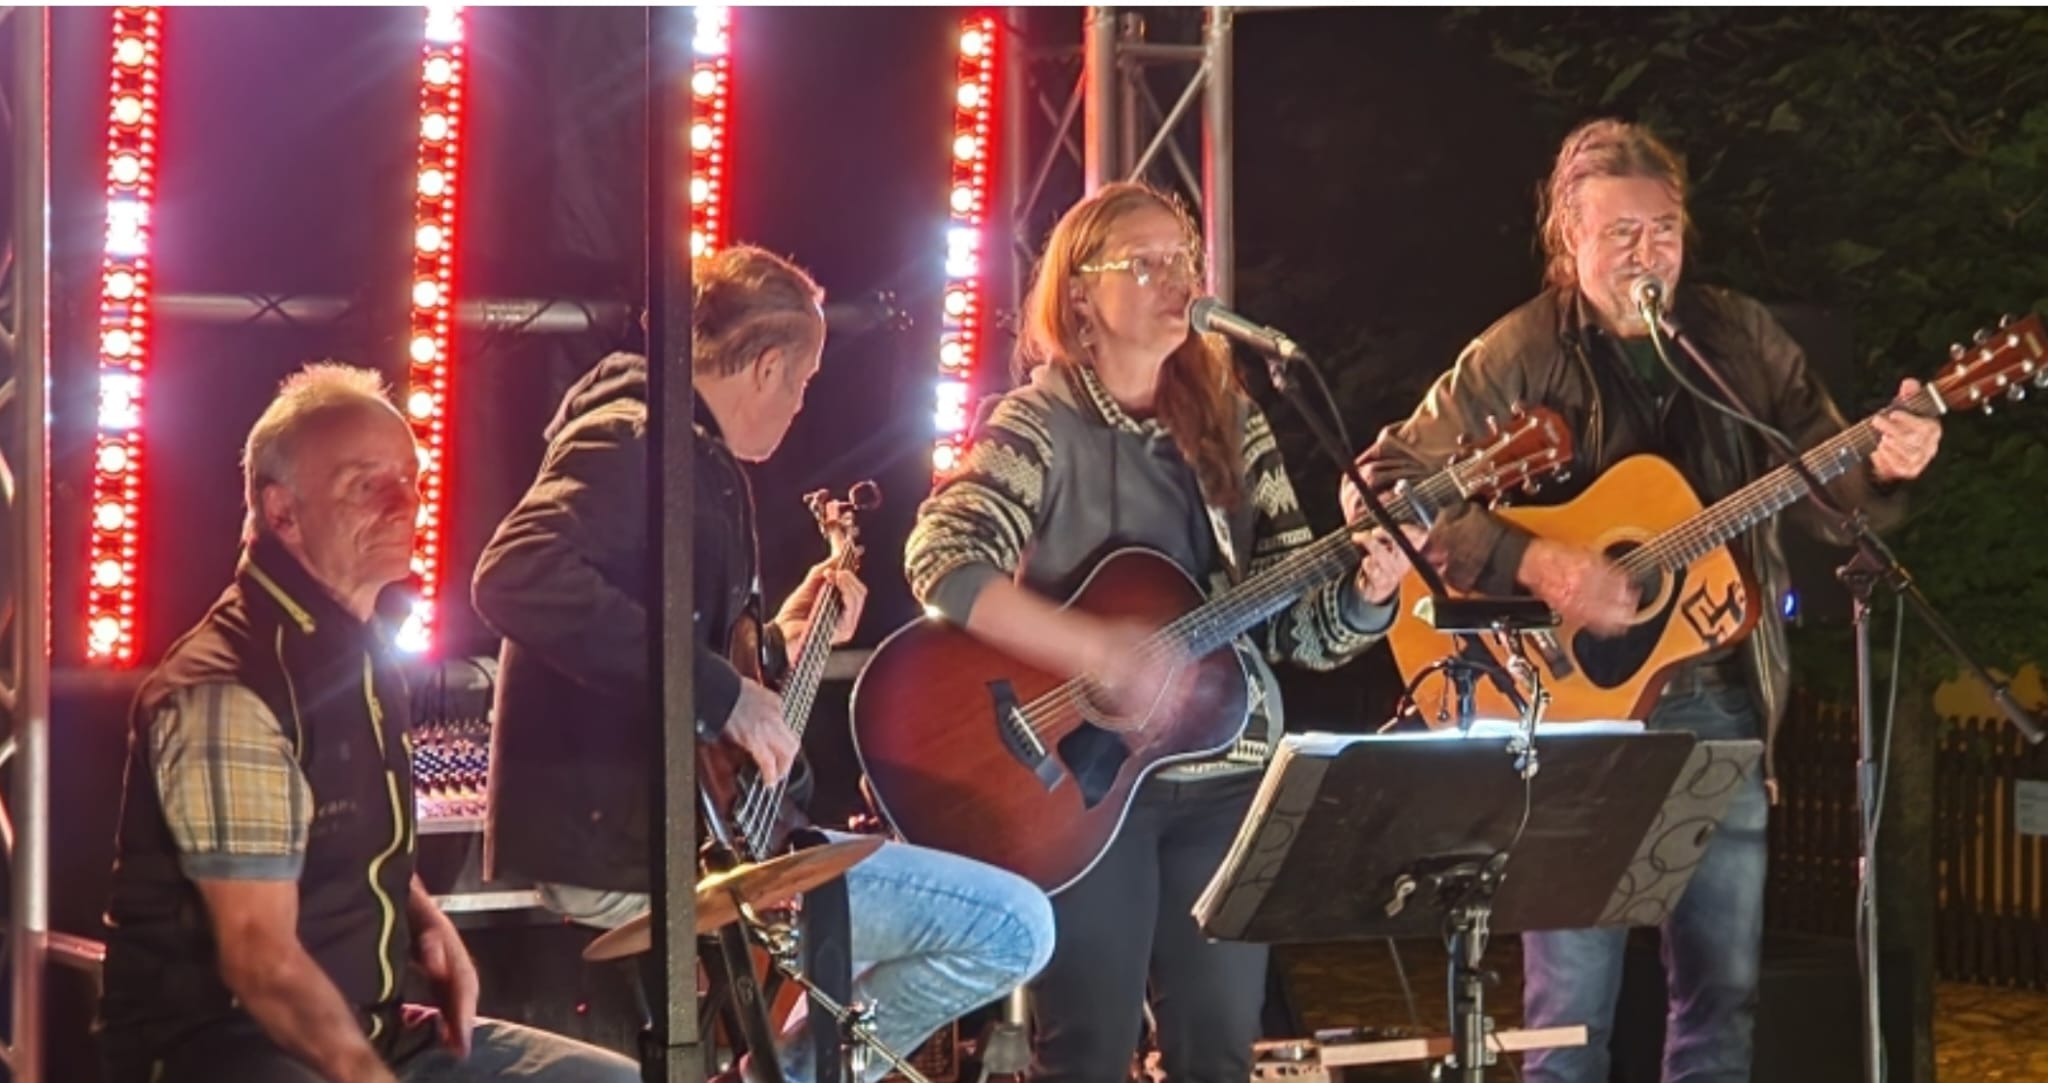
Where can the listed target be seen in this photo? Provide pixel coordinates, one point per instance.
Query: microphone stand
(1873, 563)
(1505, 616)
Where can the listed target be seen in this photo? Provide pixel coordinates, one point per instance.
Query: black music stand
(1366, 836)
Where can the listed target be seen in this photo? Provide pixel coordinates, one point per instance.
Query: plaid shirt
(237, 804)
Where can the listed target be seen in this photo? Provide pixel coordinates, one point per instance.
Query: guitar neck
(807, 673)
(1228, 615)
(1760, 499)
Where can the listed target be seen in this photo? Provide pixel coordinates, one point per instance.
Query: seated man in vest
(264, 904)
(933, 935)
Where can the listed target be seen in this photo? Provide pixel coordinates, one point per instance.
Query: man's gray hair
(316, 391)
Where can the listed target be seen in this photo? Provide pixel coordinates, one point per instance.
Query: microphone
(1648, 294)
(1208, 316)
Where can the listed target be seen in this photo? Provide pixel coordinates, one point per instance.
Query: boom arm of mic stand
(1469, 645)
(1888, 568)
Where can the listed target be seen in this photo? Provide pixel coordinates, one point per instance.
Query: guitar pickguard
(1093, 756)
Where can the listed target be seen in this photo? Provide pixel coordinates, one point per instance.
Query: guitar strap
(827, 960)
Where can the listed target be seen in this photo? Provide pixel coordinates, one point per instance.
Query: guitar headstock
(2000, 363)
(1531, 445)
(836, 519)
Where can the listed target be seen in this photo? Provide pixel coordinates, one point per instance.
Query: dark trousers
(1129, 920)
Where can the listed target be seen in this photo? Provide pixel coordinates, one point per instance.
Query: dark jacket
(334, 688)
(566, 580)
(1551, 352)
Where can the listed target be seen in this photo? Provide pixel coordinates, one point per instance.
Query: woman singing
(1132, 431)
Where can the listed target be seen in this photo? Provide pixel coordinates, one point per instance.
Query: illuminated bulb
(107, 574)
(426, 293)
(434, 126)
(440, 70)
(700, 136)
(125, 221)
(433, 182)
(970, 95)
(412, 637)
(444, 24)
(704, 81)
(428, 238)
(973, 43)
(700, 190)
(129, 52)
(109, 515)
(698, 245)
(113, 458)
(422, 352)
(128, 110)
(956, 302)
(105, 631)
(964, 147)
(953, 354)
(117, 343)
(945, 457)
(121, 285)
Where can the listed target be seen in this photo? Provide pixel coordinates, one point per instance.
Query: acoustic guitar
(969, 750)
(1695, 595)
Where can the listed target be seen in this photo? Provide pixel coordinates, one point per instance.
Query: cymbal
(719, 895)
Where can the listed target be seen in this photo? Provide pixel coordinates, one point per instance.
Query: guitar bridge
(1018, 736)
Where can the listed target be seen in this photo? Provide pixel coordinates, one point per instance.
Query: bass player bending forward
(1132, 432)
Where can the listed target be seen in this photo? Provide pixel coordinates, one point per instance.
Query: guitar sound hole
(1093, 756)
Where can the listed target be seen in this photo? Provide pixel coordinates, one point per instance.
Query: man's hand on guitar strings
(757, 728)
(1583, 586)
(795, 616)
(1906, 442)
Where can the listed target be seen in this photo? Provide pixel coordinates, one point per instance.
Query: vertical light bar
(430, 345)
(711, 86)
(965, 297)
(111, 606)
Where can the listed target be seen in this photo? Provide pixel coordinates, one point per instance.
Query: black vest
(334, 689)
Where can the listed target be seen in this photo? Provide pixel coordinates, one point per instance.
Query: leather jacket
(1552, 352)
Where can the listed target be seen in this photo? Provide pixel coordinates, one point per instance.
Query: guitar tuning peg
(2017, 392)
(1955, 351)
(2005, 321)
(1563, 476)
(1492, 425)
(1980, 336)
(2041, 379)
(1987, 409)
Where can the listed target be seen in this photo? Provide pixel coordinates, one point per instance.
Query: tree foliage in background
(1891, 165)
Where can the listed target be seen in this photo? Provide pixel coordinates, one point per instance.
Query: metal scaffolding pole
(28, 919)
(1099, 98)
(1116, 104)
(1219, 142)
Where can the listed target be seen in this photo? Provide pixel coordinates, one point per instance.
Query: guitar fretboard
(1224, 617)
(1760, 499)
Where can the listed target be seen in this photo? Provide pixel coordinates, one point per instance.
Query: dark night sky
(1385, 173)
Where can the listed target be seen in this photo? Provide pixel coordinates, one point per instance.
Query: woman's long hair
(1198, 390)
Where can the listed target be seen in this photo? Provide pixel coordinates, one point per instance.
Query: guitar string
(758, 802)
(1275, 587)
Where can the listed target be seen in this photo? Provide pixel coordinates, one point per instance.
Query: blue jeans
(1711, 940)
(935, 936)
(238, 1050)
